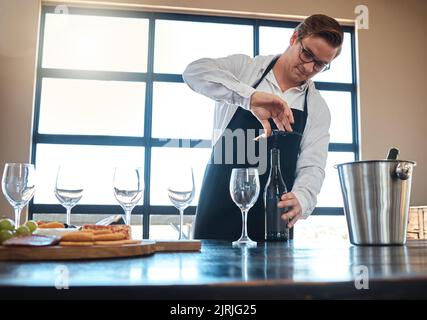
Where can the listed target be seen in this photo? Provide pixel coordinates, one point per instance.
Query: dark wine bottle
(275, 227)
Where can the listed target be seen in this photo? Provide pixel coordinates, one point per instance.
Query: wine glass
(18, 186)
(128, 188)
(68, 188)
(181, 192)
(244, 190)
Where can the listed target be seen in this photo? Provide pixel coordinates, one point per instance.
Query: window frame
(149, 77)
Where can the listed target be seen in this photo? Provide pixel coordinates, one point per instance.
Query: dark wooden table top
(298, 270)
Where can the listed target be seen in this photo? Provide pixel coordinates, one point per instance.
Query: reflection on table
(271, 270)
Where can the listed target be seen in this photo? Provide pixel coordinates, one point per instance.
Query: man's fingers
(286, 117)
(279, 124)
(287, 203)
(289, 215)
(290, 200)
(287, 125)
(289, 114)
(288, 196)
(284, 122)
(267, 128)
(266, 105)
(293, 221)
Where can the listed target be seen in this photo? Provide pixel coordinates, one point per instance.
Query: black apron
(217, 216)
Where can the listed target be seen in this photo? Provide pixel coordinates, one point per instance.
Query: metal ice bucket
(376, 198)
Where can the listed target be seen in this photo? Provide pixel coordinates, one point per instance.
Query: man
(268, 93)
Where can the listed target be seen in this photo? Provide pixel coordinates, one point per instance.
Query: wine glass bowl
(68, 188)
(244, 190)
(18, 185)
(128, 187)
(181, 191)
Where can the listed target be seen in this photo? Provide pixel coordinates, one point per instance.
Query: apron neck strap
(305, 111)
(266, 71)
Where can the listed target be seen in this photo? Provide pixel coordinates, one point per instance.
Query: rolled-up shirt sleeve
(219, 79)
(310, 171)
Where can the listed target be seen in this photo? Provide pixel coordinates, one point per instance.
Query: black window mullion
(180, 143)
(170, 210)
(354, 112)
(203, 18)
(342, 147)
(277, 23)
(167, 77)
(334, 86)
(256, 37)
(89, 140)
(81, 209)
(148, 128)
(109, 209)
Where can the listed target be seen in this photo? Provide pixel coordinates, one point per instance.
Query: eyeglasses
(306, 56)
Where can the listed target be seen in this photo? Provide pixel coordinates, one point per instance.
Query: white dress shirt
(229, 82)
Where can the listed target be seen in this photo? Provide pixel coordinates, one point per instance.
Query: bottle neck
(275, 162)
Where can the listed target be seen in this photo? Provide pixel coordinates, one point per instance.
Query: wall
(18, 42)
(392, 70)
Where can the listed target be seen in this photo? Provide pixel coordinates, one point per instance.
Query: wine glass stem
(68, 216)
(17, 216)
(181, 223)
(244, 224)
(128, 216)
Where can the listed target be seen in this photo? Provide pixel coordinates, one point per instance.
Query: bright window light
(88, 42)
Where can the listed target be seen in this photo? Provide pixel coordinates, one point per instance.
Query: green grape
(23, 231)
(5, 235)
(32, 225)
(7, 224)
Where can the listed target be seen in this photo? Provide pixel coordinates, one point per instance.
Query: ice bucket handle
(403, 170)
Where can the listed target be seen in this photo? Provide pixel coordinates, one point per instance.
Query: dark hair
(322, 26)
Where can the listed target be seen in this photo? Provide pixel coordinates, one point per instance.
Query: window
(110, 91)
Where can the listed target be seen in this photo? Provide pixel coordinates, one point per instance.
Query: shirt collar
(272, 79)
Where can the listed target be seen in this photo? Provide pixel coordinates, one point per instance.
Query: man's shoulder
(248, 68)
(263, 61)
(259, 60)
(315, 94)
(318, 101)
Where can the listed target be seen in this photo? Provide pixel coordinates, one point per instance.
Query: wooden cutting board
(76, 253)
(178, 245)
(146, 247)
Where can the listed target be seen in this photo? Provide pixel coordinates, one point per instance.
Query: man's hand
(295, 211)
(265, 106)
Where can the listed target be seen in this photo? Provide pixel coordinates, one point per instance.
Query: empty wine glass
(68, 188)
(18, 184)
(244, 190)
(128, 188)
(181, 192)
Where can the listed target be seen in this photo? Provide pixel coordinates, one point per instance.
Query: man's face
(317, 47)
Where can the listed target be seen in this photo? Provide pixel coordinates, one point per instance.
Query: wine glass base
(247, 243)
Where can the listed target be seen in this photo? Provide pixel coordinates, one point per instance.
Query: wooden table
(299, 270)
